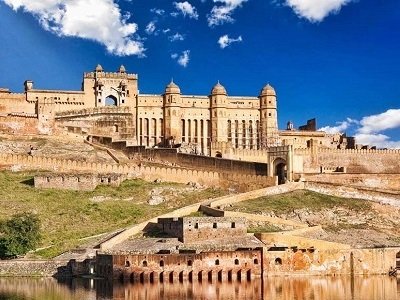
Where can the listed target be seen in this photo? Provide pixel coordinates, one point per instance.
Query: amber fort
(214, 140)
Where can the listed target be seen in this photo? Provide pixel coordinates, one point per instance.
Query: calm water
(326, 288)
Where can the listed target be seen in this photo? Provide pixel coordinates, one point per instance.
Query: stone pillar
(289, 163)
(240, 135)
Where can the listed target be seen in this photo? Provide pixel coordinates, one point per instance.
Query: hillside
(359, 223)
(67, 217)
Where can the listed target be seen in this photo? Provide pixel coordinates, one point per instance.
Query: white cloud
(176, 37)
(340, 126)
(224, 41)
(376, 139)
(166, 30)
(316, 10)
(370, 130)
(186, 9)
(376, 123)
(182, 59)
(223, 13)
(151, 27)
(97, 20)
(157, 11)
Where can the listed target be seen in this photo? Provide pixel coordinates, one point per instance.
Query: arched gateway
(280, 170)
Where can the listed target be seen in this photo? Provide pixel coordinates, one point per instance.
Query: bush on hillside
(19, 235)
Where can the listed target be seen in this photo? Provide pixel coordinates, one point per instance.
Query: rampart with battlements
(150, 173)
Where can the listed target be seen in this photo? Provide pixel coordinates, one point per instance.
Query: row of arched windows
(189, 262)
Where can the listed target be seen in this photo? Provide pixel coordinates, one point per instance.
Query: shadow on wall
(29, 182)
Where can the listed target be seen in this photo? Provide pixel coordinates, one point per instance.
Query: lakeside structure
(219, 249)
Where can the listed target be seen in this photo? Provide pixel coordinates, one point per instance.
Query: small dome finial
(172, 88)
(122, 69)
(267, 90)
(218, 89)
(99, 68)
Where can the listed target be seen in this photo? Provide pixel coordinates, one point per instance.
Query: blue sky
(336, 60)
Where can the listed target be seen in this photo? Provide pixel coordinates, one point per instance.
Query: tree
(19, 235)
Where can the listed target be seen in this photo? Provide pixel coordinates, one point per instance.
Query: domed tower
(172, 112)
(269, 136)
(218, 104)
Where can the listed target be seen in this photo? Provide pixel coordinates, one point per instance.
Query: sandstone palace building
(167, 119)
(240, 128)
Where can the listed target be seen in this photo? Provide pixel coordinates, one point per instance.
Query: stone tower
(172, 107)
(218, 104)
(112, 88)
(269, 136)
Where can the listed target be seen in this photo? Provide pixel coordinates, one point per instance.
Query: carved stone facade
(167, 119)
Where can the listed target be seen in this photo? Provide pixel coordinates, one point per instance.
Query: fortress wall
(208, 178)
(272, 190)
(354, 160)
(339, 190)
(362, 161)
(63, 100)
(15, 103)
(250, 155)
(19, 124)
(371, 181)
(78, 181)
(198, 162)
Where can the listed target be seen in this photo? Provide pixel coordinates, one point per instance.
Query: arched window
(144, 263)
(111, 101)
(217, 262)
(189, 263)
(161, 263)
(256, 261)
(236, 261)
(278, 261)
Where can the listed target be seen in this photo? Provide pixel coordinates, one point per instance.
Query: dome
(122, 69)
(99, 68)
(218, 89)
(172, 88)
(268, 90)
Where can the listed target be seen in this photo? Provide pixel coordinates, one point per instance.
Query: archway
(111, 101)
(280, 170)
(218, 154)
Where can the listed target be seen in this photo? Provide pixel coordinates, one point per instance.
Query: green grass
(286, 203)
(197, 214)
(265, 228)
(67, 216)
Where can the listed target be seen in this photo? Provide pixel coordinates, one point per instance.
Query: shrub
(19, 235)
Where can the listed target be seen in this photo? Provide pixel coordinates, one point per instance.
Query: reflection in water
(277, 288)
